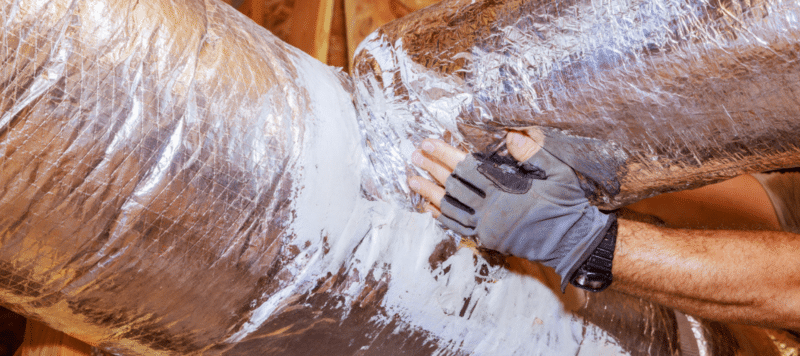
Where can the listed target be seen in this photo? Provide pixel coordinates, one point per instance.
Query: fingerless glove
(534, 210)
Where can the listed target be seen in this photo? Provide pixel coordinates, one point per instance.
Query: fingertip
(429, 208)
(417, 158)
(429, 191)
(520, 146)
(414, 183)
(442, 152)
(428, 145)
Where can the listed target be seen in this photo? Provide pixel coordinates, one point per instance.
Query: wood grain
(311, 27)
(41, 340)
(363, 17)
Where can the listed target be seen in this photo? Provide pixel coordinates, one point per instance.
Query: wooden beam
(311, 27)
(41, 340)
(255, 10)
(337, 45)
(363, 17)
(274, 16)
(415, 5)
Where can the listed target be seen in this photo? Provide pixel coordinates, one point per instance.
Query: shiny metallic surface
(174, 180)
(649, 95)
(147, 153)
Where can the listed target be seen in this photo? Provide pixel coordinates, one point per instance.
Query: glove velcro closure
(583, 250)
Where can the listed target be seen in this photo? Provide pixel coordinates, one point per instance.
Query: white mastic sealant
(508, 314)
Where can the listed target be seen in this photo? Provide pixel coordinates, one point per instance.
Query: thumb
(520, 146)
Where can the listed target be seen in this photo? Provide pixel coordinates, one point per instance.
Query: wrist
(592, 272)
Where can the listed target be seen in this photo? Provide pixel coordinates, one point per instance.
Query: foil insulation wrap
(174, 180)
(150, 158)
(639, 96)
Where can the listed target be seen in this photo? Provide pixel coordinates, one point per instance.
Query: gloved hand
(535, 210)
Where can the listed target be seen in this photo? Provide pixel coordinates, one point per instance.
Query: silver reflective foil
(639, 96)
(175, 180)
(147, 168)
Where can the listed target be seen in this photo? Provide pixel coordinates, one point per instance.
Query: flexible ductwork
(643, 96)
(175, 180)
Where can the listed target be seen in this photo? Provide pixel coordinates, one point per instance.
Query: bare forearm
(738, 276)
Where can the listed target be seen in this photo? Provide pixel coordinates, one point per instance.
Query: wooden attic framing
(328, 30)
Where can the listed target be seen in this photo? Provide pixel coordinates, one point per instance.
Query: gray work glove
(534, 210)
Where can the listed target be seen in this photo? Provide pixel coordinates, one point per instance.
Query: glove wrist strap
(594, 274)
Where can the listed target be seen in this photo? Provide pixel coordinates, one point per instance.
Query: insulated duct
(641, 96)
(175, 180)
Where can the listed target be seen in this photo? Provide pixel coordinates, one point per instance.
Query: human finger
(448, 155)
(430, 208)
(521, 147)
(431, 191)
(436, 169)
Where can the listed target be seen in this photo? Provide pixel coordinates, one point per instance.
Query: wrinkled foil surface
(639, 96)
(174, 180)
